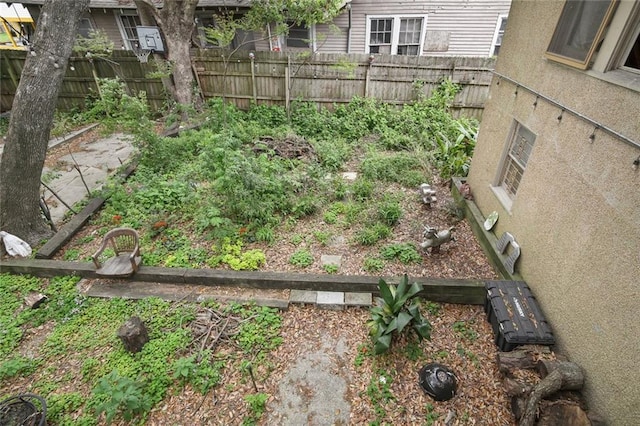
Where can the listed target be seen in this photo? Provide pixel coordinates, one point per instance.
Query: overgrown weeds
(222, 183)
(121, 385)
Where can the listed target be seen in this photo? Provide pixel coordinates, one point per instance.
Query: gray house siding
(454, 27)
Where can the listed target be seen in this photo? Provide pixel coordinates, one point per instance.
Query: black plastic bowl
(438, 381)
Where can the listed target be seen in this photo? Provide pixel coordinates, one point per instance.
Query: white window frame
(395, 31)
(126, 42)
(623, 31)
(498, 35)
(505, 195)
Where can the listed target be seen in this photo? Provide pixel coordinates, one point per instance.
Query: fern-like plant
(393, 313)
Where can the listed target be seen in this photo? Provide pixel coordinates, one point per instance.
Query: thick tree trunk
(32, 118)
(176, 20)
(148, 15)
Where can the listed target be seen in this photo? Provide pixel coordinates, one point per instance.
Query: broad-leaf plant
(395, 313)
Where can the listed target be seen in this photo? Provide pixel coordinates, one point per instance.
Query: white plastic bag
(14, 245)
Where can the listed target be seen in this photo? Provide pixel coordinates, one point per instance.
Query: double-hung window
(515, 162)
(396, 35)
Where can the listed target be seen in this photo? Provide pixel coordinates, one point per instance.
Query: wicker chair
(124, 242)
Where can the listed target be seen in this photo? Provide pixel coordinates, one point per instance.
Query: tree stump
(561, 375)
(133, 334)
(33, 299)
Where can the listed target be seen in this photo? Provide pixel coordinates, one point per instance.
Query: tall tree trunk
(32, 118)
(177, 22)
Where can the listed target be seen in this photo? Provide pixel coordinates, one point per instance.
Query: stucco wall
(577, 211)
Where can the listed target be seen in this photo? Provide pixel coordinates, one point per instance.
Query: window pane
(633, 60)
(298, 36)
(380, 31)
(410, 30)
(129, 23)
(85, 28)
(515, 164)
(579, 24)
(407, 50)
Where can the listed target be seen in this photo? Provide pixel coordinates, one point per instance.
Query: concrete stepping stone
(303, 296)
(350, 175)
(331, 259)
(333, 300)
(358, 299)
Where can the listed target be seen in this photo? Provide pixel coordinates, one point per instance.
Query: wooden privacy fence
(276, 78)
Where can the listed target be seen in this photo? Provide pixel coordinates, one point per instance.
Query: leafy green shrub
(330, 217)
(404, 252)
(452, 157)
(323, 237)
(392, 314)
(265, 234)
(230, 252)
(301, 258)
(340, 189)
(310, 122)
(395, 140)
(403, 168)
(120, 395)
(202, 374)
(4, 125)
(389, 211)
(372, 234)
(333, 152)
(267, 116)
(373, 264)
(362, 189)
(257, 404)
(114, 108)
(330, 268)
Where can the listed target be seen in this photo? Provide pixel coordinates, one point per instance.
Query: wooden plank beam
(435, 289)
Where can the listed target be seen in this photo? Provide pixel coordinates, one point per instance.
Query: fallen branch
(564, 375)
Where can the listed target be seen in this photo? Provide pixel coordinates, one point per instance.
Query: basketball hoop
(142, 54)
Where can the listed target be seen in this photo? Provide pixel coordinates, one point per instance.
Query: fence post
(287, 94)
(367, 77)
(252, 56)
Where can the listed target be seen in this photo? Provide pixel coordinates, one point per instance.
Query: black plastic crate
(515, 316)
